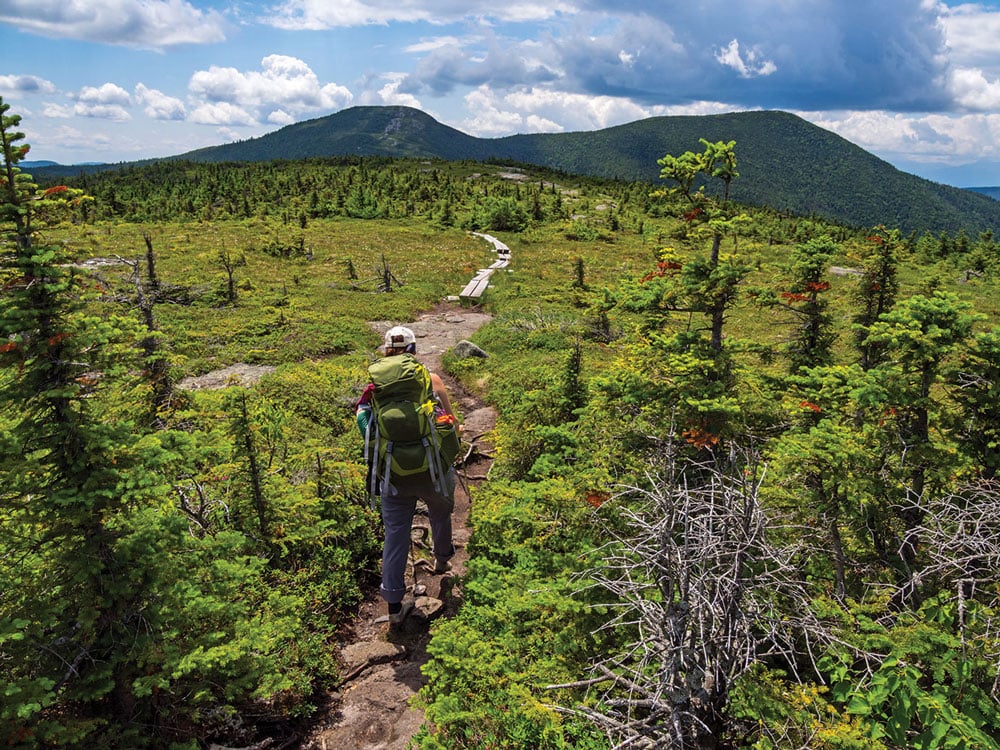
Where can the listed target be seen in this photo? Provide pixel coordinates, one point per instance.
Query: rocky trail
(370, 708)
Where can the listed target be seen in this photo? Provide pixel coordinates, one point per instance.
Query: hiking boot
(441, 566)
(396, 618)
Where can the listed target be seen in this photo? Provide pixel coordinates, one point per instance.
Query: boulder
(464, 349)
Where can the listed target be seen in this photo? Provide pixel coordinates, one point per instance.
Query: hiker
(399, 494)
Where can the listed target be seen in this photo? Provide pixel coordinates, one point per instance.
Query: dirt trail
(370, 708)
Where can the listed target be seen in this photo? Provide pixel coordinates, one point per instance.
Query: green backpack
(404, 437)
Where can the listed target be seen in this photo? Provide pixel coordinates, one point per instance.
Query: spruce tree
(60, 469)
(127, 619)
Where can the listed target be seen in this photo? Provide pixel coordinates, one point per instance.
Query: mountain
(361, 131)
(992, 192)
(784, 161)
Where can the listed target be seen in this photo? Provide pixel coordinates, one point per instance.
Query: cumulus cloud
(283, 83)
(108, 93)
(280, 117)
(491, 116)
(389, 93)
(106, 102)
(24, 85)
(158, 105)
(221, 113)
(973, 91)
(925, 138)
(541, 110)
(113, 112)
(151, 24)
(971, 32)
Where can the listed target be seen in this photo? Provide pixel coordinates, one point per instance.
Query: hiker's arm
(442, 393)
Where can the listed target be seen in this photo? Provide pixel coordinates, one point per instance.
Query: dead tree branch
(706, 594)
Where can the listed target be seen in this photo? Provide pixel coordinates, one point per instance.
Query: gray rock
(428, 606)
(372, 652)
(464, 349)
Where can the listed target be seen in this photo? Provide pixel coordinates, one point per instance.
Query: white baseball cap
(399, 337)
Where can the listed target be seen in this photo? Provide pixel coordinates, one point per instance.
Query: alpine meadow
(744, 492)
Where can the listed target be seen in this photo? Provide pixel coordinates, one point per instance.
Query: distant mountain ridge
(784, 162)
(992, 192)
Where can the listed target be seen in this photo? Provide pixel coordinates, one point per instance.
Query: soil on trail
(370, 709)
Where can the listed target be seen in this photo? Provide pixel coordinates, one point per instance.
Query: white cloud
(106, 102)
(280, 117)
(283, 82)
(745, 63)
(151, 24)
(538, 109)
(316, 15)
(525, 12)
(488, 119)
(158, 105)
(536, 124)
(579, 111)
(102, 111)
(973, 91)
(429, 45)
(25, 85)
(221, 113)
(389, 93)
(57, 111)
(878, 131)
(923, 138)
(108, 93)
(907, 78)
(971, 33)
(228, 134)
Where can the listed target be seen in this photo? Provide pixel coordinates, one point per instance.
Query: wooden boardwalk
(474, 290)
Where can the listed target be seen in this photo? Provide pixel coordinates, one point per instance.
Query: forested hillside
(744, 494)
(786, 163)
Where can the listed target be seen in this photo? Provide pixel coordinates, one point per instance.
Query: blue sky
(916, 82)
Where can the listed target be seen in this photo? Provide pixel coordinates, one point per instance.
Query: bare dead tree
(962, 543)
(388, 278)
(197, 503)
(151, 277)
(705, 595)
(962, 540)
(230, 262)
(147, 293)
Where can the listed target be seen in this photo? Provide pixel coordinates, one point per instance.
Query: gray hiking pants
(399, 503)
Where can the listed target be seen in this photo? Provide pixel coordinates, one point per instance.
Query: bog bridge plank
(475, 289)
